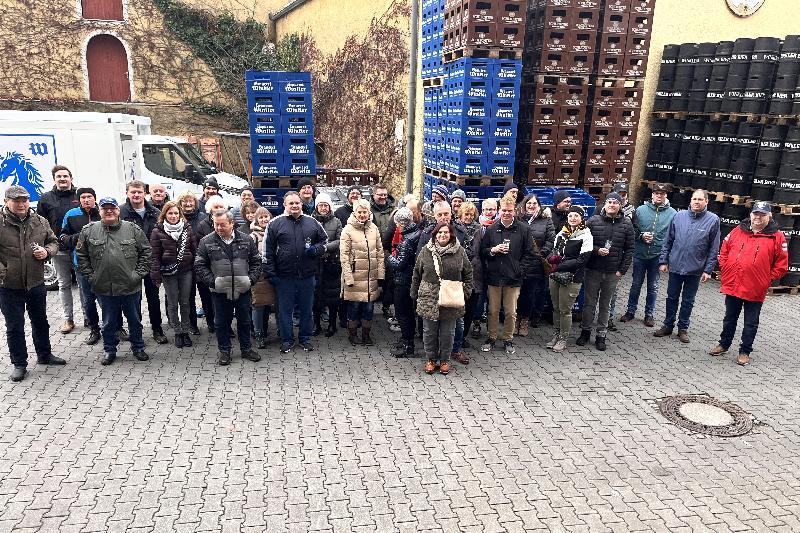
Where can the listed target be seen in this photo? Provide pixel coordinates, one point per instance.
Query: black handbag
(562, 278)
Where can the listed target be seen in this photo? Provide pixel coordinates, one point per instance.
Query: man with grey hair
(689, 254)
(441, 214)
(229, 264)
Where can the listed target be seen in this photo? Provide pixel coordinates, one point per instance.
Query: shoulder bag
(171, 270)
(451, 292)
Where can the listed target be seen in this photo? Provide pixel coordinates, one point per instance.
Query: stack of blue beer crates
(281, 124)
(470, 120)
(432, 38)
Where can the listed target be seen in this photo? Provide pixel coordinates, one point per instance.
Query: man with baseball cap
(653, 219)
(26, 242)
(115, 256)
(752, 256)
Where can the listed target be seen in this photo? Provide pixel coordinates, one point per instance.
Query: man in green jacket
(26, 242)
(114, 255)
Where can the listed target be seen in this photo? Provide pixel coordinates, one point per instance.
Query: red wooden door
(102, 9)
(107, 63)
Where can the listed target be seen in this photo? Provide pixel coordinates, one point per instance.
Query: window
(102, 9)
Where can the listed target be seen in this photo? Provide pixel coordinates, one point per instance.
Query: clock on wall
(744, 8)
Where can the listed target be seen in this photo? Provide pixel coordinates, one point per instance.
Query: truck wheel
(50, 276)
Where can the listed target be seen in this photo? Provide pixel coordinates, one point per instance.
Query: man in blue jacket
(293, 246)
(689, 254)
(654, 219)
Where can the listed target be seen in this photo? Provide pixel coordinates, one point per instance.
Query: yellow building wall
(692, 21)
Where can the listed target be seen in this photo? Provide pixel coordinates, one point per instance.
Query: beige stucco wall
(685, 21)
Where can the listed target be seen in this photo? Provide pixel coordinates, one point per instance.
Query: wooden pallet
(789, 209)
(733, 117)
(783, 290)
(432, 82)
(598, 190)
(585, 79)
(435, 172)
(487, 53)
(734, 199)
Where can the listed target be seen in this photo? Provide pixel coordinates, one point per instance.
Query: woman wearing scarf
(572, 247)
(328, 285)
(531, 301)
(173, 250)
(468, 218)
(442, 258)
(361, 257)
(263, 291)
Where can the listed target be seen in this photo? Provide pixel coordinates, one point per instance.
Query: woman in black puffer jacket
(173, 251)
(329, 277)
(400, 264)
(191, 212)
(532, 297)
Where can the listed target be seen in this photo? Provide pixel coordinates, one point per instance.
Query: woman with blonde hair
(361, 257)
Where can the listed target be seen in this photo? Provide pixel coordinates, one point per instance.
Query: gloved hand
(311, 251)
(274, 280)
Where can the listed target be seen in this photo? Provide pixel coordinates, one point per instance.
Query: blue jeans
(688, 285)
(89, 301)
(12, 304)
(293, 292)
(113, 308)
(458, 339)
(223, 318)
(642, 268)
(360, 310)
(733, 308)
(531, 299)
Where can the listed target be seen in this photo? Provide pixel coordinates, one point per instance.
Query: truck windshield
(195, 158)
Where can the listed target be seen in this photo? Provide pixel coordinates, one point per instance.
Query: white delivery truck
(104, 151)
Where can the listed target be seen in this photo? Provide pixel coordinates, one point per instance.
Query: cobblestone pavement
(349, 440)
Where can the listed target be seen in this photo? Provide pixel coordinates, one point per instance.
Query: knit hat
(324, 198)
(303, 182)
(560, 196)
(613, 196)
(458, 193)
(510, 185)
(403, 217)
(84, 190)
(442, 191)
(577, 209)
(620, 187)
(211, 182)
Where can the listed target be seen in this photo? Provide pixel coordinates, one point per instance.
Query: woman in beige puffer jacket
(361, 255)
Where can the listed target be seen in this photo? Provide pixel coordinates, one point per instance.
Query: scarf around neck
(174, 231)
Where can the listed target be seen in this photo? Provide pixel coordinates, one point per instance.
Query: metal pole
(412, 96)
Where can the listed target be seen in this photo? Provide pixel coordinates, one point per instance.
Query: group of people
(442, 265)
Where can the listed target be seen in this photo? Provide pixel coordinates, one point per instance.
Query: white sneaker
(554, 340)
(394, 327)
(561, 345)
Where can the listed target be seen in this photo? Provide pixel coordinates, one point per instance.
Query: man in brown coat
(26, 242)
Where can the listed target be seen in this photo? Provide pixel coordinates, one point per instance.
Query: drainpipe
(412, 96)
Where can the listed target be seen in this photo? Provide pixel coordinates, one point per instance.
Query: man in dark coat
(613, 236)
(139, 211)
(561, 204)
(344, 212)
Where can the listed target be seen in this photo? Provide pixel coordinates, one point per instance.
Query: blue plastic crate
(473, 194)
(500, 166)
(503, 129)
(295, 104)
(263, 145)
(267, 84)
(298, 146)
(479, 89)
(267, 165)
(295, 86)
(465, 165)
(467, 127)
(493, 191)
(265, 125)
(506, 69)
(505, 90)
(471, 68)
(263, 104)
(300, 165)
(272, 199)
(469, 147)
(469, 108)
(506, 148)
(297, 124)
(505, 110)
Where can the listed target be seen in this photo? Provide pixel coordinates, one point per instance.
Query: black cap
(661, 187)
(761, 207)
(621, 187)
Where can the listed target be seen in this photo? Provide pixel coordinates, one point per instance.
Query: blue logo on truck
(16, 169)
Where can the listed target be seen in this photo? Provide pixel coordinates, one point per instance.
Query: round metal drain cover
(706, 415)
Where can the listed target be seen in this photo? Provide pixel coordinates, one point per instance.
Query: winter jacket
(472, 231)
(654, 219)
(115, 259)
(74, 221)
(147, 222)
(381, 215)
(343, 213)
(574, 251)
(361, 256)
(195, 219)
(263, 291)
(54, 204)
(543, 234)
(401, 265)
(426, 233)
(204, 227)
(559, 219)
(749, 262)
(18, 268)
(164, 250)
(507, 270)
(285, 247)
(692, 243)
(329, 277)
(453, 265)
(617, 229)
(229, 269)
(238, 219)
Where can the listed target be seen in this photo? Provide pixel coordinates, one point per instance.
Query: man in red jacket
(752, 256)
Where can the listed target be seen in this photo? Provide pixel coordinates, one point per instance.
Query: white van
(104, 151)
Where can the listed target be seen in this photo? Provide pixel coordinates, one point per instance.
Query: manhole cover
(706, 415)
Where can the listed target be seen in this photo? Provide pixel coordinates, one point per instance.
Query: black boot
(331, 331)
(404, 348)
(179, 340)
(535, 320)
(187, 340)
(317, 325)
(600, 343)
(583, 338)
